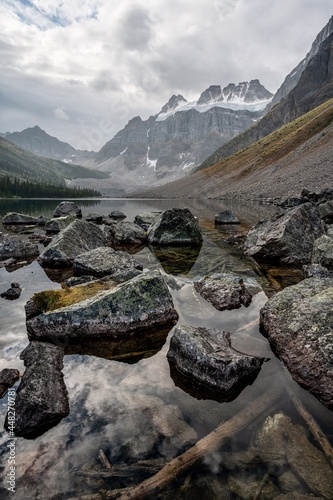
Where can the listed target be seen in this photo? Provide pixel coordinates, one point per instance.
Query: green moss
(49, 300)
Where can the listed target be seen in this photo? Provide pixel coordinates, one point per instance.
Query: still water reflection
(136, 411)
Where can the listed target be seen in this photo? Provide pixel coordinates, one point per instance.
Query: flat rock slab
(78, 237)
(126, 233)
(286, 239)
(205, 355)
(67, 208)
(224, 291)
(226, 217)
(8, 377)
(177, 226)
(298, 322)
(142, 303)
(322, 252)
(104, 261)
(13, 218)
(41, 398)
(16, 249)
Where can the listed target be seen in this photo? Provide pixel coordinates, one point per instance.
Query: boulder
(175, 227)
(224, 291)
(54, 226)
(41, 398)
(322, 252)
(206, 357)
(104, 261)
(298, 323)
(67, 208)
(146, 219)
(78, 237)
(13, 292)
(226, 217)
(125, 233)
(16, 249)
(309, 463)
(330, 231)
(14, 218)
(8, 377)
(316, 271)
(142, 303)
(117, 215)
(96, 218)
(326, 211)
(287, 238)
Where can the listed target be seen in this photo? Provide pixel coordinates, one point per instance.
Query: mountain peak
(172, 104)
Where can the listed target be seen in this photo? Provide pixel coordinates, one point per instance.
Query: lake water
(137, 411)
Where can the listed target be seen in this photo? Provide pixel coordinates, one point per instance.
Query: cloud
(99, 60)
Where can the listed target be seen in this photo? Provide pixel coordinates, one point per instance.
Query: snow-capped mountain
(246, 95)
(170, 144)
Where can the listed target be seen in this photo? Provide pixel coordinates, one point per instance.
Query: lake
(137, 410)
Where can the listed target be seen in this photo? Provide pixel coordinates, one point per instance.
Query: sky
(81, 69)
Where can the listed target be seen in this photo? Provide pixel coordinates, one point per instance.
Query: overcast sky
(80, 69)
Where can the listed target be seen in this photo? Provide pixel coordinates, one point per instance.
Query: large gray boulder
(13, 218)
(54, 226)
(287, 238)
(322, 252)
(326, 211)
(67, 208)
(78, 237)
(142, 303)
(41, 398)
(16, 249)
(206, 356)
(224, 291)
(105, 261)
(125, 233)
(175, 227)
(298, 322)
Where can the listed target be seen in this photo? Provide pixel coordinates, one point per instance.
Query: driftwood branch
(147, 467)
(312, 424)
(206, 445)
(104, 459)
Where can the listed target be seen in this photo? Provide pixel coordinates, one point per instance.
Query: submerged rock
(175, 227)
(13, 292)
(13, 218)
(142, 303)
(322, 252)
(67, 208)
(41, 398)
(16, 249)
(8, 377)
(287, 238)
(298, 322)
(104, 261)
(77, 238)
(125, 233)
(224, 291)
(206, 356)
(226, 217)
(54, 226)
(146, 219)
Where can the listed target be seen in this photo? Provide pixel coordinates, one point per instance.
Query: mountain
(296, 155)
(37, 141)
(18, 162)
(314, 87)
(292, 79)
(170, 144)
